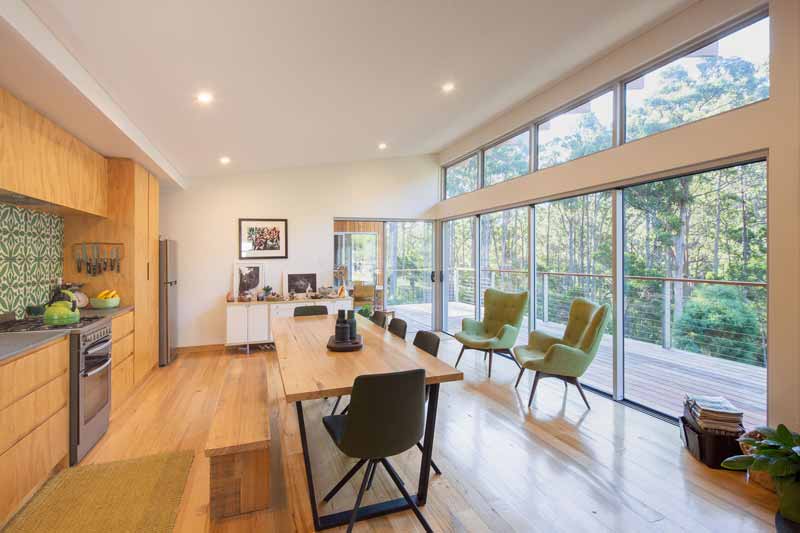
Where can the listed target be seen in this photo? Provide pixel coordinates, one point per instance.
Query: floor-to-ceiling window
(695, 290)
(409, 267)
(458, 290)
(503, 255)
(574, 259)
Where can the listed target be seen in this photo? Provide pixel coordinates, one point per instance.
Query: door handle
(433, 276)
(98, 369)
(98, 347)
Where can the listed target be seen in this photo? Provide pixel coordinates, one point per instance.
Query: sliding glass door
(458, 283)
(574, 260)
(355, 258)
(695, 290)
(503, 255)
(409, 271)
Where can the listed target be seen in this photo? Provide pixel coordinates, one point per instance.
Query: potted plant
(365, 311)
(778, 454)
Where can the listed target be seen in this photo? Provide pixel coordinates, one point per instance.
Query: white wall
(203, 219)
(771, 127)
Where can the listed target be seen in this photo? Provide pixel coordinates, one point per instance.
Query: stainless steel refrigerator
(167, 301)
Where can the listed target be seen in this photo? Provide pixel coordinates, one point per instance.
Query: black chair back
(310, 310)
(398, 327)
(379, 318)
(386, 415)
(425, 340)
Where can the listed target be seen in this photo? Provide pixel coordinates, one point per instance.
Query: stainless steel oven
(90, 404)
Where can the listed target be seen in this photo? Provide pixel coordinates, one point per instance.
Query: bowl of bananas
(105, 300)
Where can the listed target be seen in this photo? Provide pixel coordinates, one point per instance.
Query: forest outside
(695, 246)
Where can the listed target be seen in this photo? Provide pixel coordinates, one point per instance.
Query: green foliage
(365, 311)
(778, 454)
(718, 321)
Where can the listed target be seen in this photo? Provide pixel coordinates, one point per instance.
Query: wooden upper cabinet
(40, 160)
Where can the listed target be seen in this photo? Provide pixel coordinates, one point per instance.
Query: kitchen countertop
(111, 313)
(12, 344)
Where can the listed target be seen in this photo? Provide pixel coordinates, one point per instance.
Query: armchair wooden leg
(521, 370)
(463, 347)
(580, 389)
(491, 353)
(536, 377)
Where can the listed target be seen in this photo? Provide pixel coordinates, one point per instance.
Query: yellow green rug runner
(137, 495)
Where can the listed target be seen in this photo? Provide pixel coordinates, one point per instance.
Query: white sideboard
(249, 322)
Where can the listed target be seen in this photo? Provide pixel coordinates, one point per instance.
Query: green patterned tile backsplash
(31, 257)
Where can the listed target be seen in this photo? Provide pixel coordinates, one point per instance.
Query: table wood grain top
(310, 371)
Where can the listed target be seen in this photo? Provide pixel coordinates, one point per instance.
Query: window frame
(606, 89)
(458, 161)
(708, 38)
(617, 86)
(498, 142)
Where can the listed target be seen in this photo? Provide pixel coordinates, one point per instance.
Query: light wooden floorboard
(555, 467)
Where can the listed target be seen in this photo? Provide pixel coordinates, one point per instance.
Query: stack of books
(714, 414)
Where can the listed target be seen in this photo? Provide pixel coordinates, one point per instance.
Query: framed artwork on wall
(263, 238)
(299, 283)
(248, 277)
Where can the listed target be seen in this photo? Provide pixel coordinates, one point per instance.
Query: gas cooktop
(37, 324)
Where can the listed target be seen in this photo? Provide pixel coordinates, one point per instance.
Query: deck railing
(720, 318)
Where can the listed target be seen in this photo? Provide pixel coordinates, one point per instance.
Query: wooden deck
(654, 377)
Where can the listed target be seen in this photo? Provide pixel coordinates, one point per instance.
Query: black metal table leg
(307, 460)
(427, 445)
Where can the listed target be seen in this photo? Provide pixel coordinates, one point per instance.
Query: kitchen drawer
(26, 373)
(121, 383)
(121, 349)
(26, 414)
(121, 326)
(30, 462)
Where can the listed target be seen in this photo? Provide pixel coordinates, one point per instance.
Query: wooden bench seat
(238, 441)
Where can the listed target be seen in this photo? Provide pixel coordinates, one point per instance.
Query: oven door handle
(98, 369)
(98, 347)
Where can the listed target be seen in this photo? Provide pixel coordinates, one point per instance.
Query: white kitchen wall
(203, 219)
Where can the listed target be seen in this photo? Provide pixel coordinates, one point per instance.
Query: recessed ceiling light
(224, 160)
(448, 87)
(204, 97)
(383, 146)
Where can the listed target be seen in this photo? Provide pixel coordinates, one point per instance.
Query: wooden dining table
(310, 371)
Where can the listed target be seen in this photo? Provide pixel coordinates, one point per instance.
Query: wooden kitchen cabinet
(42, 161)
(122, 359)
(133, 222)
(34, 422)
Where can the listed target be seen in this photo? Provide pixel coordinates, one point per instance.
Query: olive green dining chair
(566, 358)
(497, 332)
(386, 417)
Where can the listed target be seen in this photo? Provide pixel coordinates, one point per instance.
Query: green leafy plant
(268, 290)
(365, 311)
(778, 454)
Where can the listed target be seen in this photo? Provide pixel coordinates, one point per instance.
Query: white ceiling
(306, 82)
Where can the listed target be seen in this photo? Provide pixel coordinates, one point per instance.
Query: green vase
(789, 497)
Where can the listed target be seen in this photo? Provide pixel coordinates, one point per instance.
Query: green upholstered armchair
(497, 333)
(569, 357)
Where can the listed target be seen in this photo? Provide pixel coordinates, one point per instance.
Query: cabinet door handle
(148, 271)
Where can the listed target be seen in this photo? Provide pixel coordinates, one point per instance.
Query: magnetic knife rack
(96, 258)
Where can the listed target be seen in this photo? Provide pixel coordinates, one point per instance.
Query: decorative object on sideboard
(248, 280)
(94, 258)
(263, 238)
